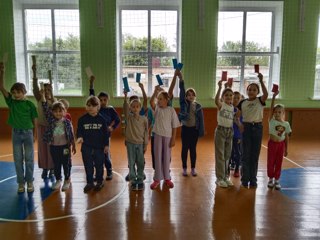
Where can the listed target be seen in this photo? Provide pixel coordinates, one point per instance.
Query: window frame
(317, 67)
(275, 45)
(54, 51)
(149, 54)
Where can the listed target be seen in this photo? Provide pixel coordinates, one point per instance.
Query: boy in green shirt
(22, 115)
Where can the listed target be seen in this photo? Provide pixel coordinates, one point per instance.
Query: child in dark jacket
(93, 133)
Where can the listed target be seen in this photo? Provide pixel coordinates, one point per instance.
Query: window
(51, 33)
(148, 40)
(317, 80)
(249, 35)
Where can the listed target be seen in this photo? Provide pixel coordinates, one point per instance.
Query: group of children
(238, 135)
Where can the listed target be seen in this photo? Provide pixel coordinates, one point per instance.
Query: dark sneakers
(109, 175)
(88, 187)
(98, 186)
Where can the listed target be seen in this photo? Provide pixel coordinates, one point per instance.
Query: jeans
(92, 158)
(61, 156)
(23, 154)
(252, 138)
(136, 162)
(236, 152)
(189, 137)
(107, 160)
(223, 145)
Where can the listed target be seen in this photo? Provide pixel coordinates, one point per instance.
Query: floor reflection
(234, 214)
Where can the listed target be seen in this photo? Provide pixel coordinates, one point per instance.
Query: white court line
(71, 215)
(289, 160)
(8, 155)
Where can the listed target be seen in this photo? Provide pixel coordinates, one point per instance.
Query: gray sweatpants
(223, 146)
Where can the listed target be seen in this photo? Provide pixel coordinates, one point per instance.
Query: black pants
(189, 137)
(61, 157)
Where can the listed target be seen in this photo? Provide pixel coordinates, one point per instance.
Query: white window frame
(316, 95)
(23, 68)
(145, 6)
(276, 8)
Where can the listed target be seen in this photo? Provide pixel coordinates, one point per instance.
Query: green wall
(198, 50)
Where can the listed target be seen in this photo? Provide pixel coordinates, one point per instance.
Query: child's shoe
(184, 172)
(154, 185)
(222, 183)
(66, 185)
(169, 183)
(194, 172)
(109, 175)
(30, 187)
(270, 183)
(51, 173)
(88, 187)
(57, 185)
(21, 188)
(127, 178)
(228, 182)
(236, 173)
(44, 174)
(277, 185)
(98, 186)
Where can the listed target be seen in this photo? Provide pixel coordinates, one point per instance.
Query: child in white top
(223, 135)
(164, 129)
(252, 113)
(279, 131)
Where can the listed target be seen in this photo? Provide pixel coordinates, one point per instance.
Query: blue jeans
(136, 162)
(92, 158)
(252, 138)
(23, 154)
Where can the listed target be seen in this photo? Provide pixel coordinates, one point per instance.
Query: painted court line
(124, 186)
(288, 159)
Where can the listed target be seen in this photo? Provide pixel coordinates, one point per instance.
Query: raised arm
(91, 87)
(217, 97)
(173, 83)
(272, 104)
(2, 88)
(153, 97)
(264, 96)
(35, 86)
(145, 99)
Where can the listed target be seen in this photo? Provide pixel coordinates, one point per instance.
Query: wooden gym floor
(194, 209)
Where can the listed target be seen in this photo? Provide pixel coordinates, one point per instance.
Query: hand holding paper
(126, 84)
(138, 77)
(224, 76)
(159, 80)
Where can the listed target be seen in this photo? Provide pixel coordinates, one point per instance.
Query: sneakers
(88, 187)
(194, 172)
(30, 187)
(277, 185)
(236, 173)
(57, 185)
(169, 183)
(270, 183)
(51, 173)
(222, 183)
(228, 182)
(21, 188)
(66, 185)
(154, 185)
(109, 175)
(184, 172)
(253, 185)
(44, 174)
(98, 186)
(127, 178)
